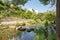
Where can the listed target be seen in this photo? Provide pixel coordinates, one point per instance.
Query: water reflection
(23, 36)
(15, 37)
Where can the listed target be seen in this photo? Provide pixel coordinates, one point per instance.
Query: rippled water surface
(23, 36)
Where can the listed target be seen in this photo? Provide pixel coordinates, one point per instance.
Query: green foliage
(20, 13)
(2, 26)
(32, 22)
(46, 2)
(17, 2)
(46, 23)
(23, 24)
(40, 34)
(6, 10)
(17, 24)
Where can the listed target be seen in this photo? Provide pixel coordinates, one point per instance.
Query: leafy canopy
(15, 2)
(46, 2)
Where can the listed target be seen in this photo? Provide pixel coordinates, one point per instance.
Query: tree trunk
(58, 19)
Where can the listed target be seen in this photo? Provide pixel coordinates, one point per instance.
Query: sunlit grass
(5, 32)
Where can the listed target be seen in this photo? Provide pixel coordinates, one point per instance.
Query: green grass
(5, 32)
(40, 35)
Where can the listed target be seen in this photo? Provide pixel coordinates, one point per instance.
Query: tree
(52, 2)
(14, 2)
(58, 19)
(46, 2)
(19, 2)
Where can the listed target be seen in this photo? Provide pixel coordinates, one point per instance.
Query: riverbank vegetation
(8, 11)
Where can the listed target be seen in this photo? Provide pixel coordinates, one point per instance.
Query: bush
(32, 21)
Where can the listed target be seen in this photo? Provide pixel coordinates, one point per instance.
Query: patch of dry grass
(5, 33)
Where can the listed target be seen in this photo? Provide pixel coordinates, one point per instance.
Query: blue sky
(36, 5)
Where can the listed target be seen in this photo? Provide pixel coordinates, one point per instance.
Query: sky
(36, 5)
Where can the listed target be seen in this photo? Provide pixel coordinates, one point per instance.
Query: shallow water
(23, 36)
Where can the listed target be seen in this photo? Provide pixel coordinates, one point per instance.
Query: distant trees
(15, 11)
(20, 13)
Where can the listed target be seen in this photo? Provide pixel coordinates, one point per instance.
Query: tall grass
(42, 35)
